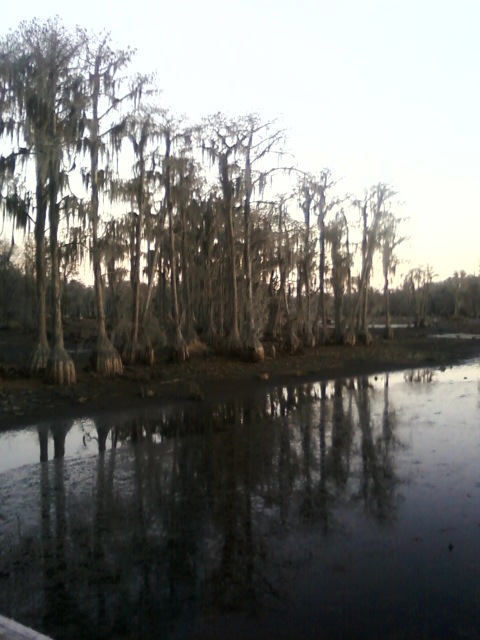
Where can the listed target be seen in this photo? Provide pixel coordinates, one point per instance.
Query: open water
(344, 509)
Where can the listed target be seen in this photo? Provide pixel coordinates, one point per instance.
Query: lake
(342, 509)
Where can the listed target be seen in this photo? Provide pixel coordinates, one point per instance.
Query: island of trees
(193, 233)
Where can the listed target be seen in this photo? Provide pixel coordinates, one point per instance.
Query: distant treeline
(457, 296)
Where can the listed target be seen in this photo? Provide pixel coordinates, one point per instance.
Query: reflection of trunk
(61, 526)
(369, 465)
(306, 506)
(43, 441)
(237, 558)
(374, 478)
(102, 433)
(323, 492)
(285, 474)
(230, 509)
(55, 591)
(47, 546)
(248, 552)
(387, 425)
(99, 543)
(59, 583)
(340, 447)
(59, 433)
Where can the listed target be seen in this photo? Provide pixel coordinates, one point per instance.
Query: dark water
(348, 509)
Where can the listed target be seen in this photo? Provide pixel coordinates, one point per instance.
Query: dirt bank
(25, 400)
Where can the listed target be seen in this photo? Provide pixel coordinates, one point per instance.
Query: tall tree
(389, 241)
(40, 70)
(174, 182)
(23, 120)
(223, 142)
(323, 205)
(262, 140)
(374, 205)
(418, 281)
(144, 131)
(307, 191)
(102, 140)
(63, 101)
(336, 234)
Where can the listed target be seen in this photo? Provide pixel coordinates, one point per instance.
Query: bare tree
(389, 241)
(223, 142)
(173, 182)
(337, 236)
(261, 141)
(144, 131)
(23, 70)
(418, 281)
(103, 66)
(374, 206)
(307, 192)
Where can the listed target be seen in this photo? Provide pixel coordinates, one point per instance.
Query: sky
(375, 90)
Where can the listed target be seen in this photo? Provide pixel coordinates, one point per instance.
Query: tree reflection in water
(187, 514)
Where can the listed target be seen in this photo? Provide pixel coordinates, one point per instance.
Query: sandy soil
(25, 400)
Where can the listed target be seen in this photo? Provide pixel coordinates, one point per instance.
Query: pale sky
(376, 90)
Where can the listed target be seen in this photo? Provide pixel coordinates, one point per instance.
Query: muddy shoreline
(25, 401)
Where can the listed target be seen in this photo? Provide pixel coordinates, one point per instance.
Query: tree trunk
(253, 347)
(292, 341)
(105, 358)
(210, 333)
(363, 333)
(368, 249)
(180, 349)
(233, 340)
(60, 367)
(135, 282)
(309, 338)
(41, 353)
(388, 332)
(337, 280)
(321, 268)
(273, 309)
(190, 333)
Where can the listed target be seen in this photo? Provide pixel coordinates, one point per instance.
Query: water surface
(348, 509)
